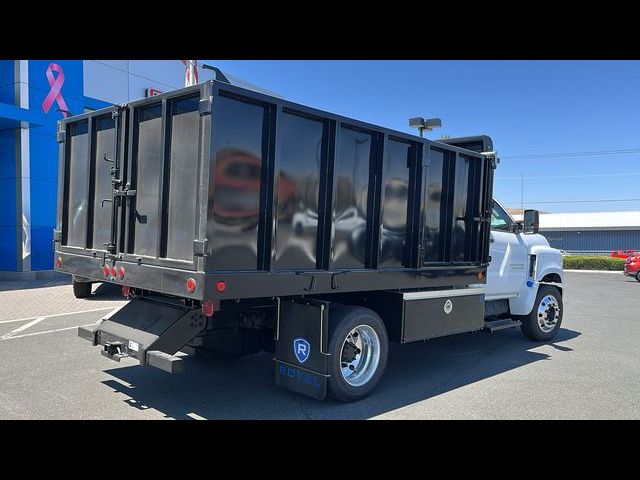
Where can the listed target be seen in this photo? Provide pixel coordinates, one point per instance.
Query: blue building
(591, 232)
(597, 232)
(34, 95)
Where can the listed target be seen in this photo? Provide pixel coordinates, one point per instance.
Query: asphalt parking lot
(590, 371)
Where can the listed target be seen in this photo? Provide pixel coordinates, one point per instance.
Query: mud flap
(301, 362)
(148, 330)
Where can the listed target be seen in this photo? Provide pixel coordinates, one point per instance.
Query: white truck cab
(524, 278)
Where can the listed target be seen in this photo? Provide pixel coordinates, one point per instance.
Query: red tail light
(221, 286)
(121, 273)
(114, 271)
(191, 285)
(59, 262)
(105, 271)
(126, 291)
(207, 308)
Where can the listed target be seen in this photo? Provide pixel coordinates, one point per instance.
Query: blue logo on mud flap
(305, 378)
(301, 348)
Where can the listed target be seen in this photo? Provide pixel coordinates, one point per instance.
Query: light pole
(423, 124)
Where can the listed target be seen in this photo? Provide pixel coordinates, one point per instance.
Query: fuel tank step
(496, 325)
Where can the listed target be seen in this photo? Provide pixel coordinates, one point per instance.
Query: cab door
(507, 270)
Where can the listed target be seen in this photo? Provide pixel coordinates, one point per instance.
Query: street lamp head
(423, 124)
(431, 123)
(417, 122)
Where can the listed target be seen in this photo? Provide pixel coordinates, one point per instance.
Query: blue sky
(527, 107)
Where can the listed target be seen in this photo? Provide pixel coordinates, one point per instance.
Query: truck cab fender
(548, 271)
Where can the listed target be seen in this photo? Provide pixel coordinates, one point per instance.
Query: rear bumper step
(149, 331)
(164, 361)
(88, 333)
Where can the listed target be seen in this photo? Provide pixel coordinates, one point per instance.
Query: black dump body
(218, 183)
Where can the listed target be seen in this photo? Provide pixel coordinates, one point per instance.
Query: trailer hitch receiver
(113, 350)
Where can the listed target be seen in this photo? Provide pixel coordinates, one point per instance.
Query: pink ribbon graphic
(55, 94)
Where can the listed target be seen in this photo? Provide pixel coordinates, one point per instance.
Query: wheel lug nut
(352, 368)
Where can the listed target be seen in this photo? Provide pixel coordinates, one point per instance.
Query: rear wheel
(638, 276)
(359, 349)
(544, 321)
(81, 289)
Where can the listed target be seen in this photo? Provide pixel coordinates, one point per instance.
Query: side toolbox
(150, 331)
(412, 316)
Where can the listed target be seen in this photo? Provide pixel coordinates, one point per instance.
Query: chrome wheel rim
(359, 355)
(548, 313)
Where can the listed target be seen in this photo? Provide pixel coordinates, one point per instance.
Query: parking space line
(47, 331)
(22, 328)
(195, 416)
(58, 315)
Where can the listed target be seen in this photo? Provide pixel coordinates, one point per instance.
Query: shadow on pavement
(244, 388)
(8, 285)
(101, 291)
(106, 291)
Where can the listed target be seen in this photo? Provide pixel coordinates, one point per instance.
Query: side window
(499, 219)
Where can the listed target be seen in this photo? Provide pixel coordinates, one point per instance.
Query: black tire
(342, 321)
(638, 276)
(530, 326)
(81, 289)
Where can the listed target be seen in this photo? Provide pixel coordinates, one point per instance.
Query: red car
(624, 253)
(632, 267)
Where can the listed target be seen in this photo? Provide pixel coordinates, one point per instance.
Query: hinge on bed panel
(334, 280)
(60, 136)
(492, 157)
(117, 110)
(57, 235)
(312, 283)
(426, 161)
(200, 247)
(204, 106)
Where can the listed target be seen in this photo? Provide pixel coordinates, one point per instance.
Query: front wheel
(359, 350)
(544, 321)
(638, 276)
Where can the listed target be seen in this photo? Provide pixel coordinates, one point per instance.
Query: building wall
(43, 152)
(120, 81)
(593, 240)
(8, 219)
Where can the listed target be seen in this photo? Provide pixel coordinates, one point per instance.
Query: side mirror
(531, 221)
